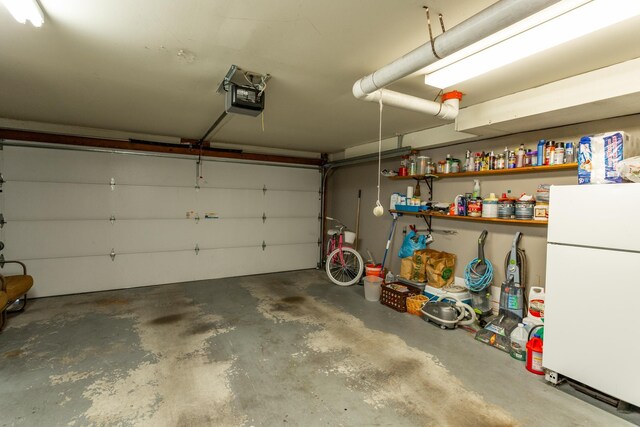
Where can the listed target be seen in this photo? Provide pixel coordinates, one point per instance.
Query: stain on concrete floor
(380, 365)
(279, 349)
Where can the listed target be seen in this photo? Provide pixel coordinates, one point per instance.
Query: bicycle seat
(333, 231)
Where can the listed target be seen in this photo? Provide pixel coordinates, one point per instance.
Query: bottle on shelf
(404, 161)
(467, 162)
(520, 156)
(541, 146)
(492, 161)
(569, 152)
(476, 189)
(512, 159)
(559, 154)
(412, 165)
(552, 153)
(547, 152)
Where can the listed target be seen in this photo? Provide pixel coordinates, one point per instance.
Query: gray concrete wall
(344, 183)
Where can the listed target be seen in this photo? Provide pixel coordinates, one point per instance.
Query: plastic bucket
(372, 288)
(349, 237)
(373, 270)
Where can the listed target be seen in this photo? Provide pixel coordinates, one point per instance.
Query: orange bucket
(373, 270)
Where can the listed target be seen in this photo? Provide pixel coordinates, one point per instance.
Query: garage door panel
(230, 203)
(291, 257)
(294, 180)
(57, 239)
(153, 235)
(146, 269)
(296, 203)
(36, 164)
(138, 202)
(230, 232)
(291, 230)
(61, 276)
(230, 175)
(230, 262)
(154, 171)
(237, 175)
(55, 201)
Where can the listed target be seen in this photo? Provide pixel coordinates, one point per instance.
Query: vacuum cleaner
(511, 311)
(448, 315)
(478, 276)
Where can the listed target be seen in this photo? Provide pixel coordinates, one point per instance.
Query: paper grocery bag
(440, 268)
(406, 265)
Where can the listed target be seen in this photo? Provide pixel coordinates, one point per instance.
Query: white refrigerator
(592, 305)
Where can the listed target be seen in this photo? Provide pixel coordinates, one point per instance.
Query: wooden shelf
(528, 169)
(426, 214)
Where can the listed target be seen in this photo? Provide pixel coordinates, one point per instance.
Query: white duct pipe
(492, 19)
(448, 110)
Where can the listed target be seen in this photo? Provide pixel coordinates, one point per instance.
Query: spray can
(552, 153)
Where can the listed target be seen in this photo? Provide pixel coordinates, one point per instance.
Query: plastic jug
(518, 349)
(534, 356)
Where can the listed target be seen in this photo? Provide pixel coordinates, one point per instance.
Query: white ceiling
(153, 66)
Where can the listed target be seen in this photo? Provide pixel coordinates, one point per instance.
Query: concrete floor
(278, 349)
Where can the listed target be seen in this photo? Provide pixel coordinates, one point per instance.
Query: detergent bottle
(536, 302)
(519, 337)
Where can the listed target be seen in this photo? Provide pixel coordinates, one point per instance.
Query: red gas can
(534, 356)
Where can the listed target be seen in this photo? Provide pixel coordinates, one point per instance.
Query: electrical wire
(478, 282)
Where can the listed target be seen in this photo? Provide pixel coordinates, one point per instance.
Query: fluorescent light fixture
(25, 10)
(566, 21)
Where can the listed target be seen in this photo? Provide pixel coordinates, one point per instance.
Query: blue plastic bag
(412, 242)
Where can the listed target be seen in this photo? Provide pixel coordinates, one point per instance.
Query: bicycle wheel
(347, 273)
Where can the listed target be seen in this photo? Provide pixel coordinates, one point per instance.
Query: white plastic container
(519, 338)
(372, 288)
(490, 206)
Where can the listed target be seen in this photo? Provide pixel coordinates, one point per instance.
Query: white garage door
(79, 233)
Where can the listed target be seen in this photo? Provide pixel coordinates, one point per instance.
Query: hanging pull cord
(379, 210)
(379, 148)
